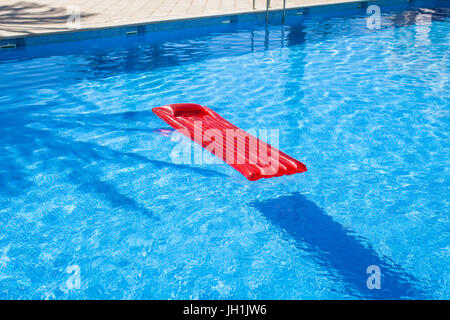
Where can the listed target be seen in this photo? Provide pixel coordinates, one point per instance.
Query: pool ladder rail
(268, 7)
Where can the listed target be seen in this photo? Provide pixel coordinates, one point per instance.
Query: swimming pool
(89, 189)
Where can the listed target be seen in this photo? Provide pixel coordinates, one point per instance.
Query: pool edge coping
(178, 19)
(113, 29)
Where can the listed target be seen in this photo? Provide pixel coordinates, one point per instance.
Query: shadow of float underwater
(336, 248)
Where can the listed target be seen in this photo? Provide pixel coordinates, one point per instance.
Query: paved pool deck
(21, 18)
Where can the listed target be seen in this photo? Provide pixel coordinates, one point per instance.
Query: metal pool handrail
(267, 9)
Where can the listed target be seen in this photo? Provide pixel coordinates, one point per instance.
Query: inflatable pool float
(249, 155)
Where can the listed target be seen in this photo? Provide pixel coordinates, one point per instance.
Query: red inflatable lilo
(249, 155)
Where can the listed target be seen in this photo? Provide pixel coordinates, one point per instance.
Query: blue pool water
(89, 191)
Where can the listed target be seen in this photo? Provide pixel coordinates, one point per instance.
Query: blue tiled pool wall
(158, 31)
(125, 48)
